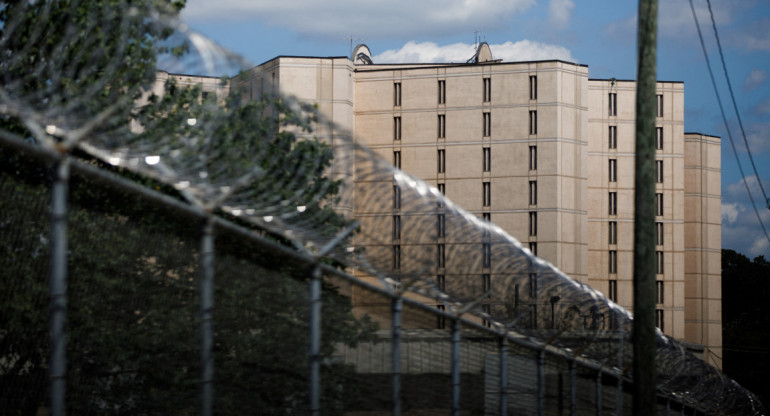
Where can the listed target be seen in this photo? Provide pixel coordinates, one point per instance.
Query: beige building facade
(541, 150)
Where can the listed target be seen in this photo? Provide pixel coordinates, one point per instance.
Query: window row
(486, 159)
(613, 264)
(613, 104)
(486, 125)
(486, 90)
(613, 137)
(612, 292)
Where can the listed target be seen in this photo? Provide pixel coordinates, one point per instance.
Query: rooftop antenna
(351, 39)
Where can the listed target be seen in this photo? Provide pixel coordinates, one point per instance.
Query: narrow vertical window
(613, 98)
(397, 94)
(613, 137)
(441, 282)
(442, 188)
(441, 126)
(532, 157)
(441, 156)
(487, 310)
(613, 206)
(533, 285)
(659, 204)
(613, 262)
(486, 217)
(396, 257)
(486, 282)
(396, 227)
(533, 248)
(441, 319)
(659, 292)
(659, 233)
(613, 170)
(533, 87)
(660, 105)
(487, 90)
(532, 192)
(659, 171)
(441, 225)
(486, 194)
(659, 138)
(442, 91)
(441, 258)
(397, 159)
(659, 261)
(659, 319)
(397, 128)
(532, 223)
(486, 249)
(396, 197)
(613, 232)
(486, 159)
(613, 292)
(532, 122)
(487, 124)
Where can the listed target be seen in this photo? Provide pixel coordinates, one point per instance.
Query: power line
(724, 119)
(735, 106)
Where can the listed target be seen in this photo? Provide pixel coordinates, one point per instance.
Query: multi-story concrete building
(544, 152)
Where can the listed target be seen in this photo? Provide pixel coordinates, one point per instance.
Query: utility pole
(644, 390)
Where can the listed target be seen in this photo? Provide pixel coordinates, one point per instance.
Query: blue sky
(599, 33)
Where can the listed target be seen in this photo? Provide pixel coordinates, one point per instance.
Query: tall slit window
(441, 126)
(533, 223)
(487, 90)
(397, 159)
(442, 91)
(533, 87)
(441, 160)
(441, 257)
(441, 225)
(659, 138)
(659, 204)
(532, 122)
(659, 262)
(486, 216)
(660, 105)
(613, 203)
(613, 170)
(397, 128)
(486, 154)
(613, 292)
(659, 233)
(532, 157)
(659, 292)
(441, 319)
(659, 319)
(613, 232)
(486, 282)
(533, 248)
(396, 94)
(659, 171)
(532, 285)
(613, 262)
(441, 282)
(487, 119)
(613, 101)
(396, 227)
(396, 197)
(532, 192)
(396, 257)
(613, 137)
(486, 194)
(442, 188)
(486, 249)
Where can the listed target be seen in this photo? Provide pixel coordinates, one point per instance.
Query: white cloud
(754, 37)
(758, 136)
(759, 246)
(755, 80)
(730, 212)
(429, 52)
(371, 18)
(560, 12)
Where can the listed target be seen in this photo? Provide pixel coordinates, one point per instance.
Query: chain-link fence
(185, 253)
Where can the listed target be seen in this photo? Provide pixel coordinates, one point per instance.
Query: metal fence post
(455, 367)
(599, 393)
(206, 289)
(503, 377)
(541, 383)
(58, 288)
(315, 341)
(396, 306)
(572, 388)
